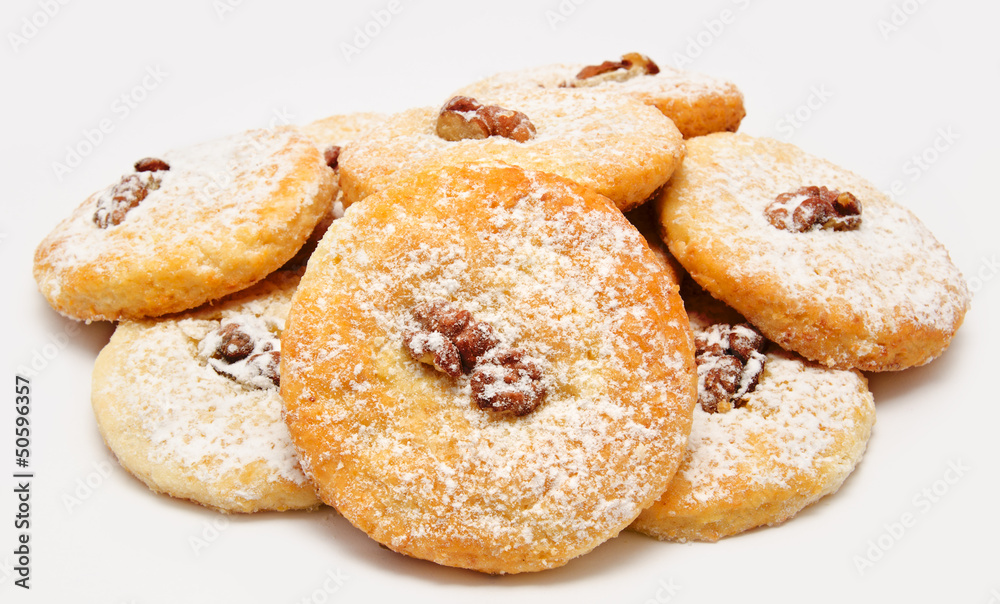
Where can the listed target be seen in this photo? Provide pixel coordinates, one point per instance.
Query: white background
(886, 80)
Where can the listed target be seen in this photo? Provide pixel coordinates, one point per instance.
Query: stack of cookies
(494, 334)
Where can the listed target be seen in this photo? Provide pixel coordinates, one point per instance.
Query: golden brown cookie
(816, 257)
(483, 368)
(190, 226)
(620, 147)
(698, 104)
(190, 403)
(759, 455)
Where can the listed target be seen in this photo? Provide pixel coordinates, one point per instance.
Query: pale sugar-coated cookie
(190, 403)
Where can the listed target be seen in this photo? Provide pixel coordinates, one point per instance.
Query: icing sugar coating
(189, 431)
(226, 214)
(885, 296)
(402, 450)
(620, 147)
(802, 432)
(698, 104)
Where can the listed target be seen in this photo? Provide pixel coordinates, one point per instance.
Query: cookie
(619, 147)
(190, 226)
(698, 104)
(790, 434)
(483, 369)
(816, 257)
(190, 404)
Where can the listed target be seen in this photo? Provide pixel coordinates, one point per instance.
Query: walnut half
(810, 208)
(127, 193)
(730, 359)
(632, 65)
(507, 382)
(244, 350)
(464, 117)
(504, 380)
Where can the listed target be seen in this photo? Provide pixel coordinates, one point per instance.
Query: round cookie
(451, 467)
(191, 226)
(620, 147)
(795, 438)
(698, 104)
(872, 290)
(190, 406)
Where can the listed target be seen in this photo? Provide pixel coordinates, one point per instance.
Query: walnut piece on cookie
(504, 379)
(527, 439)
(464, 117)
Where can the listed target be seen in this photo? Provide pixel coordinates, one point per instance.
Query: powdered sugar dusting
(195, 419)
(567, 287)
(888, 273)
(788, 431)
(671, 82)
(596, 139)
(225, 214)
